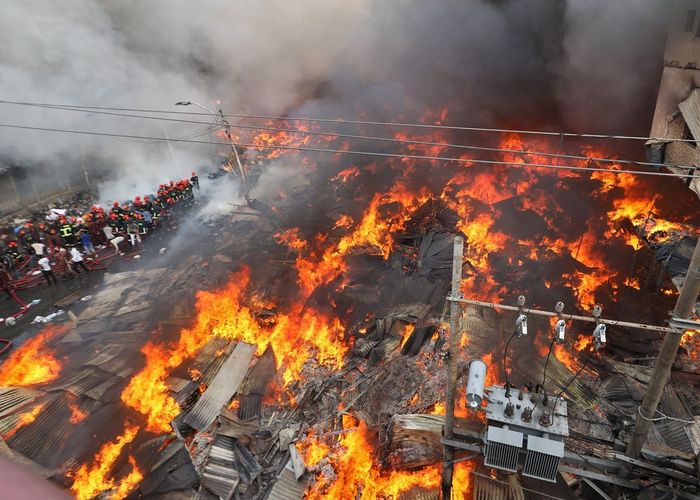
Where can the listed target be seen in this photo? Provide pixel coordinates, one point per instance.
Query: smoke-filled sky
(584, 65)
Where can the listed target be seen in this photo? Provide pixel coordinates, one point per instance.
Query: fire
(387, 212)
(33, 363)
(89, 482)
(583, 343)
(357, 476)
(564, 356)
(297, 337)
(291, 239)
(346, 174)
(76, 414)
(312, 449)
(691, 342)
(25, 419)
(406, 333)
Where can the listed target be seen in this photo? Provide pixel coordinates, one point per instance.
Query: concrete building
(677, 113)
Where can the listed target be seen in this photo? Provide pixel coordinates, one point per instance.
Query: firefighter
(65, 229)
(116, 209)
(195, 180)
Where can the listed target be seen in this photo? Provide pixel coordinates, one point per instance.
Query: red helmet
(73, 219)
(115, 204)
(125, 206)
(27, 224)
(42, 226)
(194, 174)
(112, 215)
(146, 197)
(126, 216)
(12, 244)
(62, 219)
(22, 232)
(170, 200)
(138, 198)
(171, 183)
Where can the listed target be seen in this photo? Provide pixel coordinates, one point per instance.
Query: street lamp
(227, 130)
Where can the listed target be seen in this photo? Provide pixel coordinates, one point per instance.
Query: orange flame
(357, 475)
(25, 419)
(89, 482)
(33, 363)
(297, 337)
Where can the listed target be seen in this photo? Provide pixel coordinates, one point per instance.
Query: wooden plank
(222, 388)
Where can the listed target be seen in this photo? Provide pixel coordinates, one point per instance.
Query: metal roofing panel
(222, 388)
(13, 398)
(690, 109)
(52, 439)
(287, 487)
(260, 374)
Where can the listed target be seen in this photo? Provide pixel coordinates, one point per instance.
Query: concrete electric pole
(685, 307)
(453, 343)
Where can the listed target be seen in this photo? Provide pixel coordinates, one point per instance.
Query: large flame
(90, 481)
(358, 476)
(298, 337)
(33, 363)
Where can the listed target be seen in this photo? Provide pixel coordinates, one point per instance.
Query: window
(690, 20)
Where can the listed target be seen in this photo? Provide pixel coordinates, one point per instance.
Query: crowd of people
(68, 242)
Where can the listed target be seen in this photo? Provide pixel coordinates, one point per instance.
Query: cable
(361, 153)
(366, 122)
(554, 408)
(505, 357)
(662, 417)
(386, 139)
(544, 375)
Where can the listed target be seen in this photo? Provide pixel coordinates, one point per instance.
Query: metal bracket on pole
(683, 324)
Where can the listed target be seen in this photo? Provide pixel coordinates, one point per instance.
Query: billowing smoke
(588, 65)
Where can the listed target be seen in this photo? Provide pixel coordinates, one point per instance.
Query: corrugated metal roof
(690, 109)
(13, 399)
(250, 407)
(260, 374)
(52, 439)
(90, 381)
(222, 388)
(228, 463)
(287, 487)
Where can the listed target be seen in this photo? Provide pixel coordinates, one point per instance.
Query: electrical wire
(585, 363)
(384, 139)
(366, 122)
(663, 417)
(361, 153)
(544, 375)
(505, 358)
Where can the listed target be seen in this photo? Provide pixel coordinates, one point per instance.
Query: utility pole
(669, 349)
(453, 343)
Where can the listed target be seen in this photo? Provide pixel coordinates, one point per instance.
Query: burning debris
(313, 364)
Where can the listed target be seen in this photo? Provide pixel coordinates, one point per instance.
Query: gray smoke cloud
(589, 65)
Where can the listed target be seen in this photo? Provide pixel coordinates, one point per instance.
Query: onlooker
(38, 248)
(45, 266)
(77, 260)
(87, 242)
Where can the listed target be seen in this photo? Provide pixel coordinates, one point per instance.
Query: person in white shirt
(38, 249)
(45, 266)
(77, 260)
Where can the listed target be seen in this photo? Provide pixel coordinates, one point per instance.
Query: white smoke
(530, 62)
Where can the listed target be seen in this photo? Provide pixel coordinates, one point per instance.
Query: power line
(367, 122)
(361, 153)
(375, 138)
